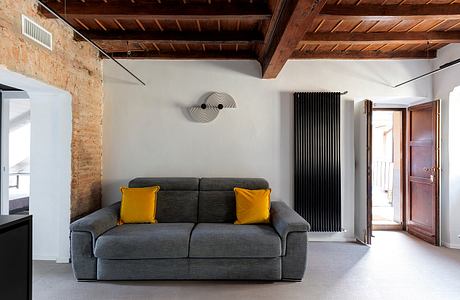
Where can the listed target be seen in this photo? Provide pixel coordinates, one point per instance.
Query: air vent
(37, 33)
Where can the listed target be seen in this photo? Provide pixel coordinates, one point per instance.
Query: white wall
(444, 84)
(148, 133)
(50, 165)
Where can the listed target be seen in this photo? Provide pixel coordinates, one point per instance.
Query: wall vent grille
(37, 33)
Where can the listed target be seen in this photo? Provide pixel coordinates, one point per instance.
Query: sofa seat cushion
(226, 240)
(140, 241)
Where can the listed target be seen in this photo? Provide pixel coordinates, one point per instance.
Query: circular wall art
(210, 109)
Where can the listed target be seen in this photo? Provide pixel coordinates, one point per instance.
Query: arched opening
(48, 113)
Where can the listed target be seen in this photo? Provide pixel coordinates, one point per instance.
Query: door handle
(432, 178)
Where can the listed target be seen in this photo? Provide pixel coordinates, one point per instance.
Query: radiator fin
(317, 187)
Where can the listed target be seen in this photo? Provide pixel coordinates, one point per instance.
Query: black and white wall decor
(209, 110)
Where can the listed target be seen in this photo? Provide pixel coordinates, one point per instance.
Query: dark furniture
(195, 237)
(317, 174)
(16, 257)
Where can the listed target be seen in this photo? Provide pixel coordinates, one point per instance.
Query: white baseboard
(330, 237)
(43, 257)
(450, 245)
(59, 260)
(343, 240)
(63, 260)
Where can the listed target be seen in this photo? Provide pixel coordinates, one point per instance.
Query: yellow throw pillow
(138, 205)
(252, 206)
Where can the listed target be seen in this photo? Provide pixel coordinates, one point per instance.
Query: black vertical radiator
(317, 188)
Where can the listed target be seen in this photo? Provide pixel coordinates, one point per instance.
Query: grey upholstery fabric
(182, 250)
(143, 269)
(177, 207)
(217, 198)
(193, 268)
(83, 260)
(285, 220)
(295, 260)
(167, 183)
(228, 184)
(140, 241)
(217, 207)
(236, 269)
(99, 221)
(230, 240)
(177, 200)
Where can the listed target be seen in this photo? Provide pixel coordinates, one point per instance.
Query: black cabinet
(15, 257)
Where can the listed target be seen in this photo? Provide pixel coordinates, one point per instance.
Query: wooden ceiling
(271, 31)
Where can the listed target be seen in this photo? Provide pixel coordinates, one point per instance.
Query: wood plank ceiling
(271, 31)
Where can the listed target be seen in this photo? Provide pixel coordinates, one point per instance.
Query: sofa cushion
(228, 184)
(138, 205)
(252, 206)
(217, 198)
(177, 200)
(217, 207)
(140, 241)
(167, 183)
(177, 207)
(225, 240)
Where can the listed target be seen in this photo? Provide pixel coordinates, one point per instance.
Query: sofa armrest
(98, 222)
(285, 220)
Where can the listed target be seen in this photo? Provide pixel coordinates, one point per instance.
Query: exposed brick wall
(71, 66)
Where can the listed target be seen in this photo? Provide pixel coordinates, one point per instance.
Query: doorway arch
(50, 165)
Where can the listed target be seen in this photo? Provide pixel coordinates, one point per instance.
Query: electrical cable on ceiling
(441, 68)
(88, 40)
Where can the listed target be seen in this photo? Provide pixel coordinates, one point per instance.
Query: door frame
(4, 156)
(437, 165)
(403, 174)
(368, 107)
(51, 161)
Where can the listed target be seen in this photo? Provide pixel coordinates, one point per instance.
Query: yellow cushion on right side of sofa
(138, 205)
(252, 206)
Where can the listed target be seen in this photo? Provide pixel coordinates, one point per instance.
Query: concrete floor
(396, 266)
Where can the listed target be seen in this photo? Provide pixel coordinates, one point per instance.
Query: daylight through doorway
(387, 164)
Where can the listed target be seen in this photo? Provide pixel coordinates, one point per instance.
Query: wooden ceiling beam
(218, 55)
(363, 55)
(177, 37)
(382, 37)
(379, 12)
(295, 18)
(119, 9)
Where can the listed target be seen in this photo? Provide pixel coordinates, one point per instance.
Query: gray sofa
(195, 237)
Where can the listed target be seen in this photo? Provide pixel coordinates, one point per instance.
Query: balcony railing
(382, 175)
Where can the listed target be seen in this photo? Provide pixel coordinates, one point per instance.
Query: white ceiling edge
(394, 102)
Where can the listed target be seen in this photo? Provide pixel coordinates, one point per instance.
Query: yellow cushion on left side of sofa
(138, 205)
(252, 206)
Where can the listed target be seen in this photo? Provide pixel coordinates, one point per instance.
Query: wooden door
(363, 171)
(368, 109)
(423, 171)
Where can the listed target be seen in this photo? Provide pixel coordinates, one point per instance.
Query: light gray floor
(397, 266)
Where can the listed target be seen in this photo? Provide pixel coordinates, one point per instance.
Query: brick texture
(71, 66)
